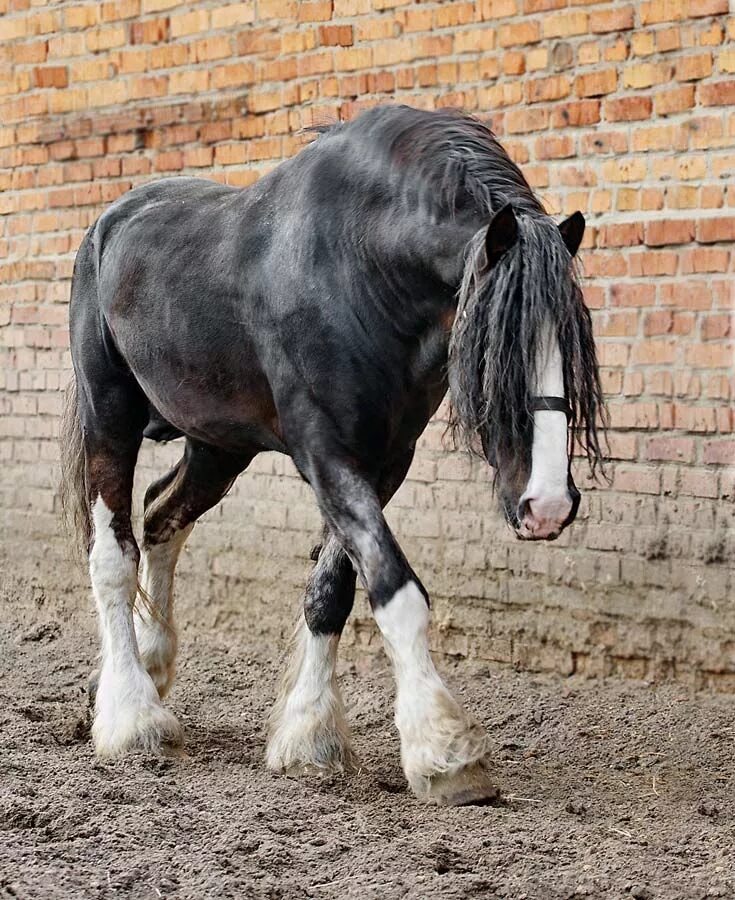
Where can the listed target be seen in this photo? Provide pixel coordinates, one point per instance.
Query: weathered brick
(626, 109)
(711, 231)
(669, 231)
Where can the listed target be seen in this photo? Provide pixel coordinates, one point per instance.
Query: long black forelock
(502, 316)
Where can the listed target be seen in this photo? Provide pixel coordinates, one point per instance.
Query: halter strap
(556, 404)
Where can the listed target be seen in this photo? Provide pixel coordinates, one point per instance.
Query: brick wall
(623, 110)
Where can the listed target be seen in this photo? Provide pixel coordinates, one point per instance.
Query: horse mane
(456, 165)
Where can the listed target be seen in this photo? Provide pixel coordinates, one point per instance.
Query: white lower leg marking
(437, 736)
(308, 725)
(154, 626)
(127, 709)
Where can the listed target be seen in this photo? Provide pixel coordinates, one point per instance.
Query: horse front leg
(308, 730)
(443, 749)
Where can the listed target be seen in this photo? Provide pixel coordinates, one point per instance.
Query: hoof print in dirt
(707, 808)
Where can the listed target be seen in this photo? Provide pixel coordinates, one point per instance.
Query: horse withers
(322, 313)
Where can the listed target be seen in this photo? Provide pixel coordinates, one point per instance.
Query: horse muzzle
(543, 518)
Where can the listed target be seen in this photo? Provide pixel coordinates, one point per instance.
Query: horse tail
(75, 505)
(73, 489)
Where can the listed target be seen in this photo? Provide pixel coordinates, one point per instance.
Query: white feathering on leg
(128, 712)
(307, 727)
(437, 737)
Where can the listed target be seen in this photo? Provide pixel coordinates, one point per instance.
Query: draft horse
(323, 313)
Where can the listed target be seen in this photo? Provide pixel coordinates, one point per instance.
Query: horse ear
(572, 231)
(502, 233)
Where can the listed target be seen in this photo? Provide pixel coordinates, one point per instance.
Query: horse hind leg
(308, 730)
(128, 711)
(172, 505)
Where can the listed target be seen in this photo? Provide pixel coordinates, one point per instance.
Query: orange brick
(189, 23)
(554, 87)
(51, 76)
(659, 137)
(693, 68)
(624, 234)
(565, 24)
(705, 259)
(497, 9)
(627, 109)
(554, 147)
(211, 48)
(675, 100)
(519, 33)
(192, 81)
(120, 9)
(532, 6)
(716, 327)
(642, 75)
(105, 38)
(321, 10)
(232, 15)
(149, 32)
(233, 75)
(624, 170)
(689, 295)
(656, 11)
(633, 294)
(669, 231)
(719, 93)
(336, 35)
(618, 19)
(575, 114)
(711, 231)
(707, 8)
(596, 84)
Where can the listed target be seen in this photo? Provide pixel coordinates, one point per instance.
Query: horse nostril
(524, 508)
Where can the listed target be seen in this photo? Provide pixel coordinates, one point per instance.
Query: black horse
(322, 313)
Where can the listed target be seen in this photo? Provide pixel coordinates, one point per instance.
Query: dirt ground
(611, 789)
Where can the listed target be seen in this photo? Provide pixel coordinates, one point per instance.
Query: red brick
(718, 93)
(719, 453)
(670, 449)
(596, 84)
(674, 101)
(669, 231)
(710, 231)
(626, 234)
(627, 109)
(51, 76)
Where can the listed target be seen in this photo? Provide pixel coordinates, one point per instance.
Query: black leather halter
(556, 404)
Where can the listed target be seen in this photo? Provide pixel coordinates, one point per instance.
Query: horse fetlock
(129, 716)
(157, 645)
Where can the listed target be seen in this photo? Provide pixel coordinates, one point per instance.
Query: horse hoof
(471, 786)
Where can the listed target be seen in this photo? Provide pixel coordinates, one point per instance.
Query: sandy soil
(611, 789)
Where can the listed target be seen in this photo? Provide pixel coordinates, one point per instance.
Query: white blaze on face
(548, 499)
